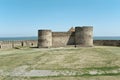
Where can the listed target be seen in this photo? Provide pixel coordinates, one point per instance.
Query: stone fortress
(80, 36)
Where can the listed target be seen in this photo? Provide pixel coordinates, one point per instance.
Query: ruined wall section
(61, 39)
(6, 44)
(18, 43)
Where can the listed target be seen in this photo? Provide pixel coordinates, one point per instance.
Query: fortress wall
(60, 39)
(17, 43)
(6, 44)
(64, 40)
(106, 42)
(31, 43)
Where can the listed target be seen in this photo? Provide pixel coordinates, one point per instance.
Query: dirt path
(21, 71)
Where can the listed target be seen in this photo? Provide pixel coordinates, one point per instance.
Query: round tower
(44, 38)
(84, 36)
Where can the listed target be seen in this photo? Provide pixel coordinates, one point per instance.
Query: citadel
(75, 37)
(80, 36)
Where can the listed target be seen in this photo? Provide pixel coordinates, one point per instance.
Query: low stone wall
(14, 44)
(106, 42)
(61, 38)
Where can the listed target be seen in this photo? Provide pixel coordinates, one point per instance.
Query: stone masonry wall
(60, 39)
(14, 44)
(106, 42)
(63, 40)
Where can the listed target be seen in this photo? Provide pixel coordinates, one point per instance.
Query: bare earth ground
(91, 63)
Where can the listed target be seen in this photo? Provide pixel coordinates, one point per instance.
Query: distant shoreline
(35, 38)
(106, 38)
(18, 38)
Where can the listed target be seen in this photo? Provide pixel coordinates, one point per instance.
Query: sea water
(107, 38)
(35, 38)
(17, 38)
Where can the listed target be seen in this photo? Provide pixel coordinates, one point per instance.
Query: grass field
(103, 59)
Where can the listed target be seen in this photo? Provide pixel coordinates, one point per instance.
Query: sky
(20, 18)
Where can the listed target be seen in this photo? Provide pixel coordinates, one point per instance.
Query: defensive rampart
(17, 43)
(80, 36)
(64, 40)
(106, 42)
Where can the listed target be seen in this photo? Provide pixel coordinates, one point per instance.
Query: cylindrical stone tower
(44, 38)
(84, 36)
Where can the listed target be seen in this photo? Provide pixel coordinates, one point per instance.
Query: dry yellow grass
(70, 58)
(60, 58)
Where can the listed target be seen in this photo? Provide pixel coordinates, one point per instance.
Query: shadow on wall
(71, 40)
